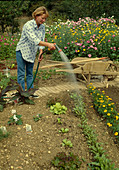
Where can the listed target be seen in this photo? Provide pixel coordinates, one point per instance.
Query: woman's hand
(40, 57)
(51, 46)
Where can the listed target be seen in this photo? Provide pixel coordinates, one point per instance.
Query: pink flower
(68, 43)
(79, 44)
(89, 55)
(111, 48)
(65, 47)
(88, 41)
(113, 35)
(95, 48)
(109, 40)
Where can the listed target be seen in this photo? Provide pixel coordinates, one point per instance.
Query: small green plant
(37, 117)
(59, 120)
(66, 162)
(15, 119)
(58, 109)
(66, 143)
(63, 130)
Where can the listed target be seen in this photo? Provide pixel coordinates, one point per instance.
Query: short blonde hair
(40, 11)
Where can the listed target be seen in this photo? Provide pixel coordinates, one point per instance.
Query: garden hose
(59, 50)
(37, 69)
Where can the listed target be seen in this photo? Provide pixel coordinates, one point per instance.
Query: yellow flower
(116, 133)
(105, 110)
(108, 114)
(109, 124)
(117, 117)
(110, 98)
(103, 105)
(109, 104)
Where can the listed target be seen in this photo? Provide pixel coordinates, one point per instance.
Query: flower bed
(106, 108)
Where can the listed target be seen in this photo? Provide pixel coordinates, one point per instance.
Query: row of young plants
(71, 161)
(106, 108)
(100, 160)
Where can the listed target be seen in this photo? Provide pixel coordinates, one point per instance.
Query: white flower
(15, 118)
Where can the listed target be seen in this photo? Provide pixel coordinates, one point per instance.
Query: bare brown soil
(36, 150)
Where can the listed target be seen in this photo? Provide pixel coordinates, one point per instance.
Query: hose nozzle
(59, 49)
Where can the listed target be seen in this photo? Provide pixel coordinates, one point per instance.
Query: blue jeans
(22, 67)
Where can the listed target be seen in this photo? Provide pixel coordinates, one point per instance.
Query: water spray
(68, 65)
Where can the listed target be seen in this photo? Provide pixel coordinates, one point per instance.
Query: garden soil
(36, 150)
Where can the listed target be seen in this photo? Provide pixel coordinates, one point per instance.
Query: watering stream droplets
(69, 67)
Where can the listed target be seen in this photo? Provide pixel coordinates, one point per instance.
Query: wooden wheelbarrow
(87, 68)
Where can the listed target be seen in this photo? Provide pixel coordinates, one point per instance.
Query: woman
(32, 39)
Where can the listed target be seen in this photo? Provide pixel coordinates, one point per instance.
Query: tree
(9, 12)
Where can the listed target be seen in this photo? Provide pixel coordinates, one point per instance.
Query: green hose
(37, 69)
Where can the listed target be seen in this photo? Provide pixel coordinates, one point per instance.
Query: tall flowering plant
(106, 108)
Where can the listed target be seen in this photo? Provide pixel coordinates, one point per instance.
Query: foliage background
(63, 9)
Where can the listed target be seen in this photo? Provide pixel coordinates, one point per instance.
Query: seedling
(63, 130)
(67, 143)
(58, 109)
(37, 117)
(59, 120)
(15, 119)
(63, 161)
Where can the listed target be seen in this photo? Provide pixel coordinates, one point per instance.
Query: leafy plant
(67, 143)
(66, 162)
(58, 109)
(15, 119)
(64, 130)
(37, 117)
(20, 95)
(59, 120)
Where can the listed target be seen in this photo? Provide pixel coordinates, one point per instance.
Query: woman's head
(40, 11)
